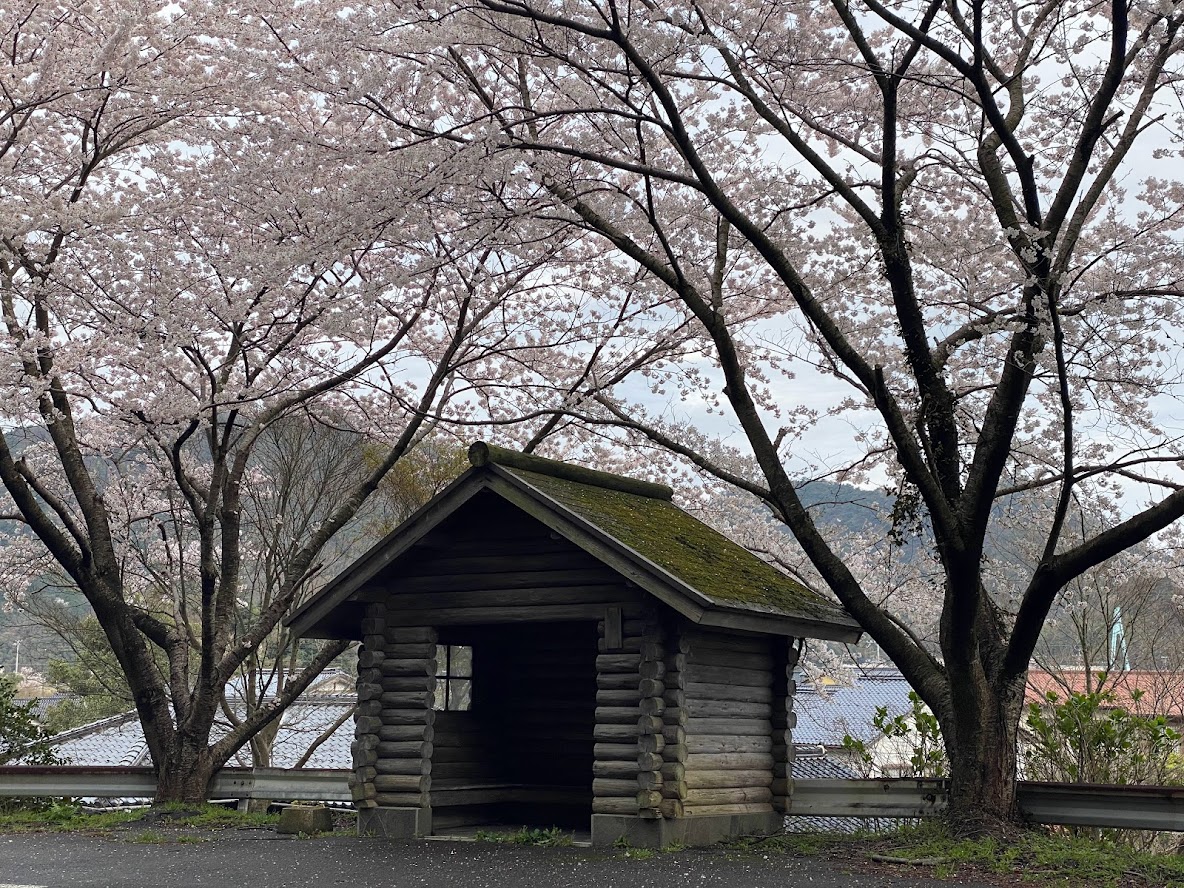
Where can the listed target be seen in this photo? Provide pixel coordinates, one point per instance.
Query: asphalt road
(261, 859)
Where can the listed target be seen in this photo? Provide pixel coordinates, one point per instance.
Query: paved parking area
(261, 859)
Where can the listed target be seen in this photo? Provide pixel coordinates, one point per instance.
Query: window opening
(454, 678)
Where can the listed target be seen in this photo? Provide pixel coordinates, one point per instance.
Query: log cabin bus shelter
(548, 644)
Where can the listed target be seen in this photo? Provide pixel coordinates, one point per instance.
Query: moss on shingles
(685, 547)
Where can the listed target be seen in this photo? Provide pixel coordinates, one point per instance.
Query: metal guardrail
(297, 785)
(868, 798)
(1064, 804)
(1120, 807)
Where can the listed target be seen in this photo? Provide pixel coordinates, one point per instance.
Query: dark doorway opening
(521, 753)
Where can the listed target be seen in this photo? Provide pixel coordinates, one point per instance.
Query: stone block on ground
(306, 819)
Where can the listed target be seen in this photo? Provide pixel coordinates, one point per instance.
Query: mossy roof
(693, 568)
(686, 548)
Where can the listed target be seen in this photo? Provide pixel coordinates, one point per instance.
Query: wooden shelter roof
(631, 526)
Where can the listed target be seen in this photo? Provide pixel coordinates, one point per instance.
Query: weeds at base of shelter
(551, 837)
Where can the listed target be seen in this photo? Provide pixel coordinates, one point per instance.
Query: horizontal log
(714, 744)
(697, 640)
(414, 651)
(457, 740)
(402, 783)
(716, 810)
(615, 733)
(412, 683)
(674, 734)
(402, 733)
(401, 799)
(403, 716)
(618, 752)
(635, 627)
(697, 691)
(723, 709)
(727, 761)
(629, 644)
(406, 699)
(671, 807)
(617, 663)
(462, 771)
(739, 727)
(728, 779)
(408, 749)
(616, 715)
(623, 697)
(402, 634)
(614, 806)
(409, 667)
(611, 681)
(693, 663)
(520, 542)
(404, 766)
(601, 590)
(555, 578)
(727, 675)
(606, 787)
(459, 754)
(510, 794)
(494, 563)
(782, 786)
(515, 614)
(618, 770)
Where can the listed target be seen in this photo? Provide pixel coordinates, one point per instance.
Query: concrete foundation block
(395, 823)
(306, 819)
(638, 832)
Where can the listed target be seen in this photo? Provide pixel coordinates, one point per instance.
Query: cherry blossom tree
(965, 218)
(197, 253)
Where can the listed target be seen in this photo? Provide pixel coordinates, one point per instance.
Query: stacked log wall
(718, 757)
(406, 731)
(616, 753)
(368, 715)
(784, 720)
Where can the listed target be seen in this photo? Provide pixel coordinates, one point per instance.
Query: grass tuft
(71, 818)
(1045, 857)
(551, 837)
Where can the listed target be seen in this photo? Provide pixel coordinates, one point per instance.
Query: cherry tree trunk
(981, 746)
(185, 776)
